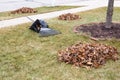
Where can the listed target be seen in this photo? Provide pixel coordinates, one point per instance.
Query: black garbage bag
(41, 27)
(44, 32)
(38, 24)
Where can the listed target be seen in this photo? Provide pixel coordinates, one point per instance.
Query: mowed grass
(8, 15)
(26, 56)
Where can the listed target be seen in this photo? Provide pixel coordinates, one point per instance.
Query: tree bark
(109, 14)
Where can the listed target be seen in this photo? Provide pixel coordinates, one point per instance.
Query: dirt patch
(98, 30)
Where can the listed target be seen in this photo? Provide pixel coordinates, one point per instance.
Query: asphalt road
(8, 5)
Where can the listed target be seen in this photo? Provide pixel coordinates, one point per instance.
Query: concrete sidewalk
(21, 20)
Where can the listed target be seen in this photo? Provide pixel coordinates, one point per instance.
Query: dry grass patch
(26, 56)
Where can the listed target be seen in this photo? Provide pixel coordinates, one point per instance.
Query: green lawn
(26, 56)
(8, 15)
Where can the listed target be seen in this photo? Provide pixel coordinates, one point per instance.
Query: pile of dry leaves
(88, 55)
(68, 16)
(23, 10)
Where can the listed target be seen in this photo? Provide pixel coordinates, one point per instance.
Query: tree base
(98, 30)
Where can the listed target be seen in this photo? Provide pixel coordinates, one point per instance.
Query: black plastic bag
(38, 24)
(41, 27)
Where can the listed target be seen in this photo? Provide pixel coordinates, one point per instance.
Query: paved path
(89, 6)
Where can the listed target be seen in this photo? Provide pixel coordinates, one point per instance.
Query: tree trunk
(109, 14)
